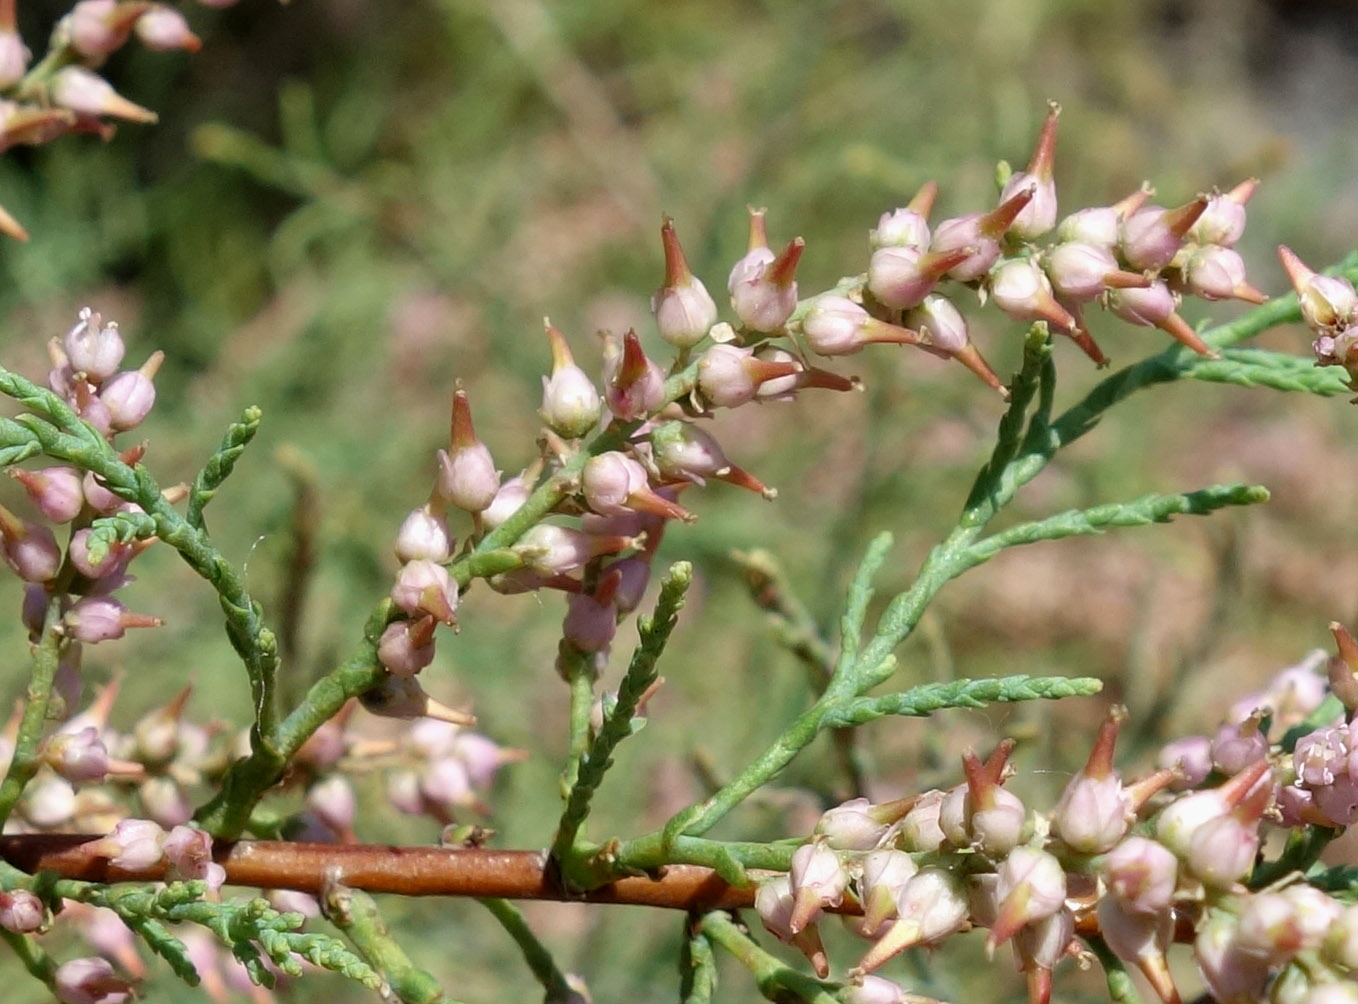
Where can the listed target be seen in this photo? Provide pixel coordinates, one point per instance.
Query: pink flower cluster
(62, 94)
(1134, 862)
(1136, 260)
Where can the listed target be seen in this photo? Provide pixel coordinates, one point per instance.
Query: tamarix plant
(136, 837)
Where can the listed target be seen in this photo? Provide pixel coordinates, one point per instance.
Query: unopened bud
(163, 28)
(1039, 215)
(1151, 237)
(54, 490)
(90, 981)
(570, 401)
(467, 476)
(87, 93)
(683, 309)
(424, 587)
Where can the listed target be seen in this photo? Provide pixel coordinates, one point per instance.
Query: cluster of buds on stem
(1135, 260)
(62, 93)
(1134, 862)
(71, 589)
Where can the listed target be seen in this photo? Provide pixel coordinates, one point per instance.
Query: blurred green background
(346, 207)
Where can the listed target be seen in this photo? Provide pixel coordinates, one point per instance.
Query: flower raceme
(930, 866)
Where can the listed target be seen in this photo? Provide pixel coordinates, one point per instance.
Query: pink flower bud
(1080, 271)
(407, 646)
(884, 875)
(130, 395)
(101, 500)
(876, 990)
(1095, 810)
(90, 981)
(1097, 225)
(134, 845)
(907, 227)
(762, 287)
(1151, 237)
(424, 535)
(1142, 874)
(1039, 946)
(1278, 925)
(634, 386)
(1341, 942)
(164, 801)
(819, 879)
(1180, 820)
(1031, 886)
(188, 851)
(86, 93)
(79, 756)
(1218, 273)
(550, 550)
(14, 57)
(851, 826)
(445, 783)
(634, 575)
(1223, 221)
(403, 697)
(1192, 755)
(613, 483)
(30, 549)
(793, 374)
(1222, 850)
(981, 233)
(156, 734)
(836, 326)
(940, 324)
(900, 277)
(1021, 289)
(101, 618)
(729, 376)
(94, 348)
(163, 28)
(110, 565)
(1039, 215)
(332, 801)
(21, 912)
(684, 312)
(1236, 746)
(424, 587)
(97, 27)
(1154, 307)
(431, 739)
(1231, 974)
(403, 792)
(920, 829)
(482, 756)
(49, 802)
(591, 619)
(54, 490)
(1141, 939)
(932, 905)
(570, 402)
(508, 500)
(773, 901)
(1328, 303)
(467, 476)
(1093, 813)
